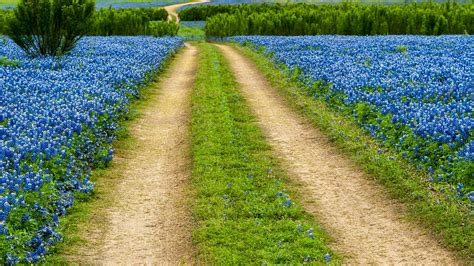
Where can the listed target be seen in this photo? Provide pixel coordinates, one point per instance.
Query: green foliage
(402, 49)
(342, 19)
(125, 22)
(5, 16)
(50, 27)
(243, 211)
(162, 28)
(191, 33)
(4, 61)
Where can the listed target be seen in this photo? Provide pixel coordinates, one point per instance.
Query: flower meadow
(10, 4)
(135, 4)
(58, 118)
(413, 93)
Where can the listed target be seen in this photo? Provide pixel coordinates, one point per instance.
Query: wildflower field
(8, 4)
(223, 132)
(413, 93)
(58, 118)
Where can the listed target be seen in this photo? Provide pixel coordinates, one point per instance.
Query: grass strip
(244, 212)
(448, 220)
(191, 33)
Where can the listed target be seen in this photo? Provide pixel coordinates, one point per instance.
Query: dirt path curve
(354, 209)
(172, 8)
(147, 221)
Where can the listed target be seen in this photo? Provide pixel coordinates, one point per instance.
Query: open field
(259, 134)
(157, 3)
(425, 115)
(113, 3)
(444, 215)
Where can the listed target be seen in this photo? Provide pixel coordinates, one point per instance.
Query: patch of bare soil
(172, 8)
(147, 220)
(366, 225)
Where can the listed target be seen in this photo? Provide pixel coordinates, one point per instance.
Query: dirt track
(172, 8)
(354, 209)
(147, 221)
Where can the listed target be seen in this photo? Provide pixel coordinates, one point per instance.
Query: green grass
(240, 216)
(191, 33)
(449, 222)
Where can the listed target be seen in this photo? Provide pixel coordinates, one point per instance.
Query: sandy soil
(172, 8)
(147, 220)
(366, 225)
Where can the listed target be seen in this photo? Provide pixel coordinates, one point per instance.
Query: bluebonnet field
(57, 121)
(9, 4)
(317, 2)
(415, 94)
(135, 3)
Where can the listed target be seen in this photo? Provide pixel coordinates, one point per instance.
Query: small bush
(4, 61)
(162, 28)
(50, 27)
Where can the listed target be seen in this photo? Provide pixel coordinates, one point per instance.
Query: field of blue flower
(415, 94)
(7, 4)
(58, 118)
(316, 2)
(136, 3)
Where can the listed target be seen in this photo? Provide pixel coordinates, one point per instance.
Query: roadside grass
(244, 211)
(88, 215)
(449, 221)
(191, 33)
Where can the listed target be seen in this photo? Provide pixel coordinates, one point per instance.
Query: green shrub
(124, 22)
(4, 61)
(127, 22)
(341, 19)
(162, 28)
(49, 27)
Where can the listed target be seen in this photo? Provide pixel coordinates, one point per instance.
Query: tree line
(341, 19)
(129, 22)
(110, 21)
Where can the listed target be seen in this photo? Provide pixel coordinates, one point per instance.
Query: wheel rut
(147, 220)
(367, 226)
(171, 9)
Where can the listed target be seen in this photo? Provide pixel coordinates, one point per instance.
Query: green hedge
(126, 22)
(5, 15)
(342, 19)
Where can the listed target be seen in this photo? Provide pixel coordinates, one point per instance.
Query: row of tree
(129, 22)
(5, 16)
(107, 22)
(343, 19)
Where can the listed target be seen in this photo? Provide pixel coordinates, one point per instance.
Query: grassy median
(244, 209)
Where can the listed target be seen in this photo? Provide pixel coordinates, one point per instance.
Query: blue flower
(470, 196)
(419, 105)
(58, 118)
(327, 257)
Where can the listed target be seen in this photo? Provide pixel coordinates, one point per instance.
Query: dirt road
(350, 205)
(147, 220)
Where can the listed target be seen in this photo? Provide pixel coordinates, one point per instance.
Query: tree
(50, 27)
